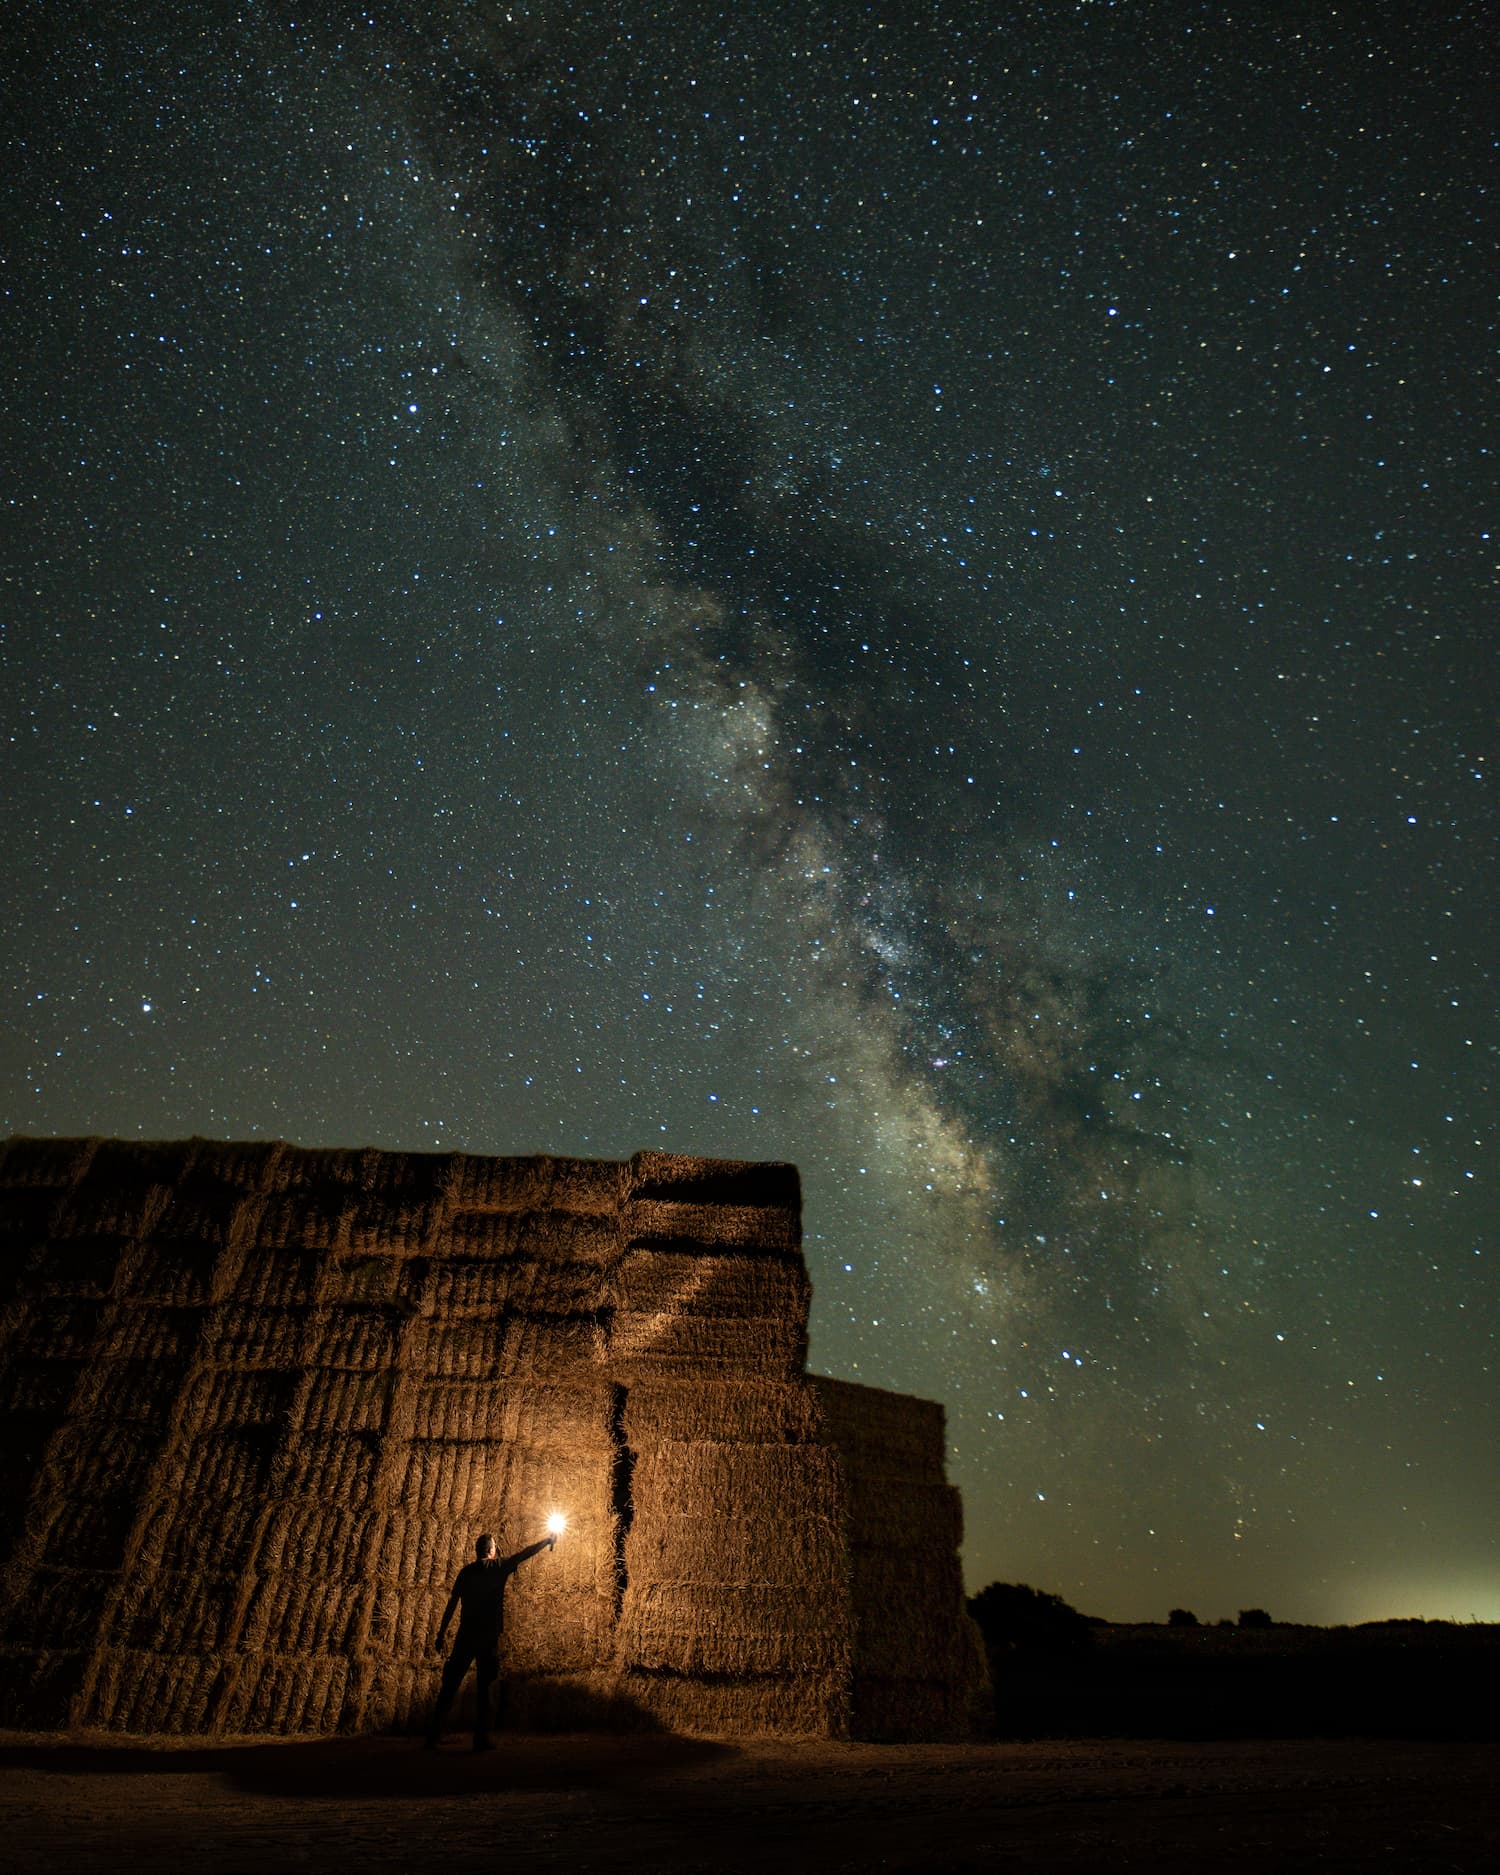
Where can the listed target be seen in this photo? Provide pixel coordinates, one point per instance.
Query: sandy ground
(587, 1803)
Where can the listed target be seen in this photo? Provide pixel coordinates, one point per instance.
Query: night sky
(830, 583)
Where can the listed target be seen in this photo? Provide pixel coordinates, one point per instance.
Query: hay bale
(736, 1479)
(693, 1628)
(694, 1547)
(573, 1413)
(885, 1435)
(286, 1693)
(709, 1410)
(45, 1164)
(139, 1691)
(645, 1345)
(60, 1609)
(302, 1221)
(678, 1177)
(797, 1705)
(238, 1335)
(768, 1230)
(337, 1400)
(667, 1278)
(480, 1234)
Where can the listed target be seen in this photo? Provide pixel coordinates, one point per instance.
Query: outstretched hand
(552, 1540)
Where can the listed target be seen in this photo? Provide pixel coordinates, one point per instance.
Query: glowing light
(556, 1524)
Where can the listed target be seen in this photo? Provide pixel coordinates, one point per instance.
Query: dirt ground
(663, 1803)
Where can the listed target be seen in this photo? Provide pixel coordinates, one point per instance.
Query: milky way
(902, 596)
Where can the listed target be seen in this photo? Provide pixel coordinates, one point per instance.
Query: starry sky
(904, 588)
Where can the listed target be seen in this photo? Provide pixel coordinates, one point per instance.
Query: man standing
(479, 1592)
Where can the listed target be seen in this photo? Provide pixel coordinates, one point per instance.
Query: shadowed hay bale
(695, 1548)
(61, 1608)
(665, 1343)
(677, 1176)
(220, 1397)
(660, 1411)
(913, 1708)
(48, 1163)
(237, 1336)
(780, 1705)
(164, 1336)
(339, 1401)
(62, 1330)
(353, 1278)
(718, 1628)
(38, 1688)
(285, 1693)
(730, 1479)
(481, 1235)
(302, 1223)
(576, 1416)
(537, 1184)
(153, 1692)
(521, 1283)
(557, 1632)
(302, 1614)
(572, 1702)
(377, 1227)
(514, 1349)
(922, 1516)
(187, 1611)
(884, 1434)
(750, 1229)
(277, 1279)
(84, 1266)
(696, 1283)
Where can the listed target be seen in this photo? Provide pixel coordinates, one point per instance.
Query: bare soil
(662, 1803)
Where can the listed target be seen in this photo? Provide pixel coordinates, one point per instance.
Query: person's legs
(454, 1669)
(486, 1671)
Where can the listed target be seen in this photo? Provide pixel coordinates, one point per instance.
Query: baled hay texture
(313, 1535)
(917, 1516)
(331, 1468)
(782, 1547)
(79, 1266)
(741, 1480)
(144, 1393)
(389, 1695)
(481, 1485)
(737, 1411)
(207, 1513)
(350, 1278)
(148, 1692)
(390, 1227)
(572, 1702)
(167, 1337)
(932, 1711)
(537, 1184)
(98, 1209)
(565, 1413)
(244, 1167)
(893, 1577)
(204, 1216)
(421, 1550)
(185, 1611)
(886, 1434)
(480, 1235)
(688, 1628)
(180, 1274)
(663, 1343)
(696, 1283)
(521, 1284)
(674, 1175)
(304, 1221)
(356, 1337)
(555, 1631)
(790, 1705)
(219, 1397)
(237, 1336)
(341, 1401)
(915, 1641)
(278, 1279)
(285, 1693)
(64, 1329)
(565, 1236)
(304, 1614)
(404, 1618)
(61, 1608)
(49, 1163)
(517, 1349)
(749, 1229)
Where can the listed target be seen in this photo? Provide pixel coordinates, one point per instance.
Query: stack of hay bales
(257, 1402)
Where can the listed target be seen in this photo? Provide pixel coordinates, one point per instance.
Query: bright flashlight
(556, 1524)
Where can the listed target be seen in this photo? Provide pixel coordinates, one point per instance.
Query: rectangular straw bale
(404, 1617)
(303, 1614)
(698, 1283)
(338, 1541)
(885, 1434)
(919, 1637)
(63, 1328)
(453, 1480)
(303, 1221)
(350, 1278)
(269, 1278)
(382, 1227)
(520, 1348)
(566, 1412)
(321, 1169)
(647, 1345)
(720, 1628)
(741, 1410)
(555, 1631)
(918, 1516)
(589, 1186)
(144, 1393)
(570, 1237)
(535, 1481)
(423, 1549)
(355, 1336)
(780, 1546)
(676, 1176)
(740, 1480)
(221, 1397)
(776, 1705)
(555, 1286)
(246, 1166)
(481, 1184)
(931, 1710)
(589, 1701)
(341, 1400)
(149, 1692)
(218, 1495)
(184, 1611)
(40, 1388)
(97, 1208)
(60, 1608)
(289, 1694)
(478, 1285)
(482, 1235)
(48, 1163)
(168, 1337)
(334, 1468)
(242, 1336)
(389, 1695)
(746, 1228)
(174, 1273)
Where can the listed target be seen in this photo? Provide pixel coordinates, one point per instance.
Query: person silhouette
(479, 1594)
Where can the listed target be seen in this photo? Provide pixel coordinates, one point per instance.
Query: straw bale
(219, 1397)
(389, 1695)
(243, 1336)
(887, 1709)
(146, 1393)
(77, 1266)
(570, 1413)
(801, 1480)
(885, 1434)
(420, 1549)
(774, 1705)
(404, 1617)
(521, 1283)
(286, 1693)
(728, 1628)
(357, 1336)
(571, 1702)
(48, 1163)
(184, 1611)
(343, 1401)
(59, 1608)
(278, 1278)
(99, 1208)
(353, 1278)
(773, 1547)
(335, 1468)
(455, 1481)
(218, 1494)
(59, 1329)
(310, 1534)
(530, 1184)
(480, 1234)
(246, 1166)
(174, 1273)
(304, 1613)
(696, 1283)
(917, 1516)
(380, 1227)
(137, 1691)
(523, 1348)
(645, 1345)
(742, 1410)
(322, 1169)
(675, 1175)
(562, 1236)
(302, 1221)
(167, 1337)
(770, 1229)
(555, 1631)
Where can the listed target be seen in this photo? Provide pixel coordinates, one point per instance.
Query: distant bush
(1255, 1618)
(1182, 1618)
(1016, 1619)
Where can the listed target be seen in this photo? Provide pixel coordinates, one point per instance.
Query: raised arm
(532, 1549)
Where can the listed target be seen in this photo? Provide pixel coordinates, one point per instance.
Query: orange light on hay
(556, 1524)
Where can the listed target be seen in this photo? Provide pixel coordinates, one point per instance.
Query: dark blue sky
(903, 595)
